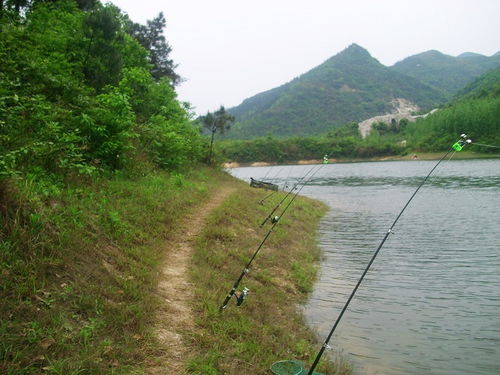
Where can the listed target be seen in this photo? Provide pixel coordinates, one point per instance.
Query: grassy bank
(268, 326)
(79, 268)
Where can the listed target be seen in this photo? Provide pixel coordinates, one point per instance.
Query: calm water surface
(431, 301)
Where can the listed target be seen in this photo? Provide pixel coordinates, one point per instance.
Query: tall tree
(219, 121)
(151, 37)
(103, 61)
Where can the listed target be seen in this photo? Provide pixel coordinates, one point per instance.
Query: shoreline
(419, 156)
(269, 326)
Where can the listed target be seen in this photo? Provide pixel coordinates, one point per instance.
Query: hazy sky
(229, 50)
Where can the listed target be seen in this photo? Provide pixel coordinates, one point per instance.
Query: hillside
(445, 72)
(487, 85)
(350, 86)
(474, 111)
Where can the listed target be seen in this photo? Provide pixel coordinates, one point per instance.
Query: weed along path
(175, 318)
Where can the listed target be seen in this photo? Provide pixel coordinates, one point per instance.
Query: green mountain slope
(445, 72)
(475, 111)
(487, 85)
(350, 86)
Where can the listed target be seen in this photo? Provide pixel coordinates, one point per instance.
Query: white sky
(229, 50)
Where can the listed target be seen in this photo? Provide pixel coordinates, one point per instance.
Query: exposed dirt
(175, 318)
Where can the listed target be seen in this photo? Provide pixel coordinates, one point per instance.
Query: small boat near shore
(263, 185)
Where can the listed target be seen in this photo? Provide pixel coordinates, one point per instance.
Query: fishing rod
(266, 197)
(286, 196)
(287, 178)
(271, 178)
(457, 146)
(269, 171)
(240, 297)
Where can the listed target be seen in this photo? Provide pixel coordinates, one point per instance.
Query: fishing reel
(240, 297)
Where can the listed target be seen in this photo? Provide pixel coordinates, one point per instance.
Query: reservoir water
(430, 304)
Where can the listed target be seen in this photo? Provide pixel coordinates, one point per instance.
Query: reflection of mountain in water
(444, 182)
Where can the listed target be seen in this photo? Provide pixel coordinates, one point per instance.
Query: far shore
(413, 156)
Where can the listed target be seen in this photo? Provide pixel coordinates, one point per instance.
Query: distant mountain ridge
(352, 86)
(446, 72)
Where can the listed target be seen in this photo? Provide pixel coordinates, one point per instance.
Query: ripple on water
(431, 302)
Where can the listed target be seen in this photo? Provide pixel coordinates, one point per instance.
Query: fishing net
(290, 367)
(287, 367)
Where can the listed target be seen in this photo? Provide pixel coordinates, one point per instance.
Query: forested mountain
(445, 72)
(487, 85)
(350, 86)
(474, 111)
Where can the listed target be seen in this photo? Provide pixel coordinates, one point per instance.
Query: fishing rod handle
(228, 297)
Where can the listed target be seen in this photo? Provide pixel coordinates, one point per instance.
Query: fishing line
(269, 171)
(287, 178)
(271, 179)
(483, 145)
(286, 196)
(457, 146)
(451, 156)
(285, 186)
(241, 296)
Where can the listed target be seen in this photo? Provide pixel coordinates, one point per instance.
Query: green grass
(79, 266)
(268, 326)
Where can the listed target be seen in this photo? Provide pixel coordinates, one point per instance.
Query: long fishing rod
(457, 146)
(267, 196)
(285, 186)
(274, 192)
(286, 196)
(269, 171)
(241, 296)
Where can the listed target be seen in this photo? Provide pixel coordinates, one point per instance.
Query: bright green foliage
(107, 128)
(76, 90)
(478, 118)
(172, 144)
(475, 112)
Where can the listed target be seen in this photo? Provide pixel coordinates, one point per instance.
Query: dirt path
(176, 316)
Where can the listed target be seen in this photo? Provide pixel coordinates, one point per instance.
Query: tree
(103, 61)
(152, 39)
(220, 121)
